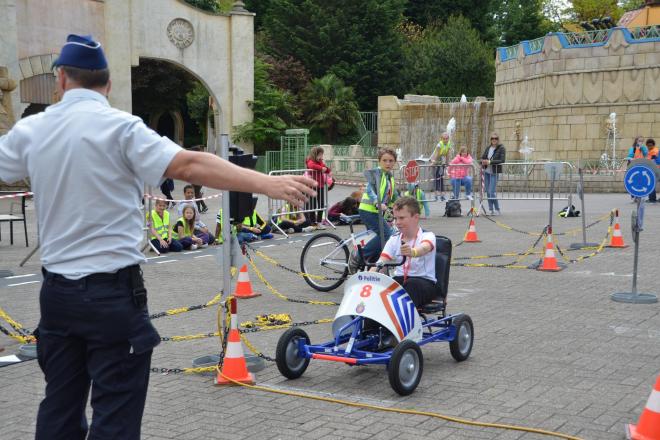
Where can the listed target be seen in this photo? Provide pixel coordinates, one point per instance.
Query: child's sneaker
(306, 229)
(266, 236)
(291, 230)
(320, 226)
(204, 245)
(193, 247)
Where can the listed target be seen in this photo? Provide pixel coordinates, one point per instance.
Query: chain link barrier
(21, 334)
(598, 250)
(178, 311)
(277, 293)
(570, 232)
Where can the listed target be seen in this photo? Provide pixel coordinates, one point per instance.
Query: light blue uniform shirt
(88, 164)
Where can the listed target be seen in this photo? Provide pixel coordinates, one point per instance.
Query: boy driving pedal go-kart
(380, 322)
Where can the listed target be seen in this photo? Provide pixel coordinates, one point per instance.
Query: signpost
(640, 181)
(553, 170)
(411, 172)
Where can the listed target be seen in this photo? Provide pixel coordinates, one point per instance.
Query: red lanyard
(406, 265)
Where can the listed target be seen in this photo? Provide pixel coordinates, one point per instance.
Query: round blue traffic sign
(639, 181)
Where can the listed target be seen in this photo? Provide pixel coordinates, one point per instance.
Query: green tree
(330, 105)
(518, 20)
(272, 111)
(198, 108)
(479, 13)
(450, 60)
(159, 86)
(355, 40)
(215, 6)
(629, 5)
(587, 10)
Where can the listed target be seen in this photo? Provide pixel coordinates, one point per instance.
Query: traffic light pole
(226, 226)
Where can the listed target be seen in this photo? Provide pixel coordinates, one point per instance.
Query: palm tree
(330, 105)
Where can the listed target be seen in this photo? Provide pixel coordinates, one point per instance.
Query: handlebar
(381, 264)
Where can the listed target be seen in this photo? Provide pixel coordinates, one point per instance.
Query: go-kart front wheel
(405, 367)
(461, 346)
(287, 355)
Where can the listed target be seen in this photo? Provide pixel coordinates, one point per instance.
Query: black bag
(453, 208)
(569, 212)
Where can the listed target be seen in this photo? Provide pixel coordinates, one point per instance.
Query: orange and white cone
(616, 239)
(549, 262)
(234, 366)
(471, 235)
(648, 427)
(243, 285)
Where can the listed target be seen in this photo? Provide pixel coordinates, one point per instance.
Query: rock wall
(560, 90)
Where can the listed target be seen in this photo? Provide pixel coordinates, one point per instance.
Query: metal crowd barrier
(429, 177)
(531, 181)
(279, 208)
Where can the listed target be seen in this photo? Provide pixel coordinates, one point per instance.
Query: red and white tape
(17, 195)
(152, 197)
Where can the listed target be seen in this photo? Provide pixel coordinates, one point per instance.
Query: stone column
(6, 112)
(242, 70)
(118, 29)
(9, 51)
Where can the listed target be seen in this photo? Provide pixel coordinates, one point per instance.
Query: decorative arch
(37, 84)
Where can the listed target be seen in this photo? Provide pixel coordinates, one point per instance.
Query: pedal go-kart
(377, 323)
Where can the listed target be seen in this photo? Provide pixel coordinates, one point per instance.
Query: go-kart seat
(443, 250)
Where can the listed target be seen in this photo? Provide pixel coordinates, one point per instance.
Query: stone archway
(217, 49)
(177, 124)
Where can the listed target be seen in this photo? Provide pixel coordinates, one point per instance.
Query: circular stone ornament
(180, 32)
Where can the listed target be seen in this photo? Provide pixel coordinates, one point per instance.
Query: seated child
(415, 191)
(160, 228)
(459, 173)
(184, 230)
(348, 206)
(291, 223)
(201, 230)
(417, 274)
(255, 224)
(243, 236)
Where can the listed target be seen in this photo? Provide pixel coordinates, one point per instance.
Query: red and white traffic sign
(411, 171)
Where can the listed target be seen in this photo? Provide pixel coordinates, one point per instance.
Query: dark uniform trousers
(94, 332)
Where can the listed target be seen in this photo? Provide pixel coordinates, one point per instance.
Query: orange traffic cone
(549, 262)
(616, 239)
(471, 235)
(234, 366)
(648, 427)
(243, 285)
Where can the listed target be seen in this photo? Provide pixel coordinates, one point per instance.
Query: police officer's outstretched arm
(212, 171)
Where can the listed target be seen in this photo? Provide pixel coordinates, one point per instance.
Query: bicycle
(325, 257)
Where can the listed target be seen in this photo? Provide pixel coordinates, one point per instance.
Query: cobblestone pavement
(552, 351)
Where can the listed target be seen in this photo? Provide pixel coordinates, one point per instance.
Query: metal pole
(226, 226)
(637, 228)
(552, 194)
(584, 214)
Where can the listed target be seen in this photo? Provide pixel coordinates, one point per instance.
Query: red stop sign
(411, 171)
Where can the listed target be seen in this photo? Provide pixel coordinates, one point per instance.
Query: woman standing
(380, 188)
(491, 162)
(319, 172)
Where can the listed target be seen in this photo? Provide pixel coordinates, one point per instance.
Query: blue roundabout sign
(639, 181)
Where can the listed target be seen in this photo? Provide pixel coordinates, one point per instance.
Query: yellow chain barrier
(22, 335)
(275, 292)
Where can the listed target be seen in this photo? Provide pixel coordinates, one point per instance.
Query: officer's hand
(294, 189)
(406, 250)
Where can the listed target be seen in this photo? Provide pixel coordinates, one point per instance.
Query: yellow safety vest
(442, 148)
(366, 204)
(161, 225)
(252, 221)
(186, 230)
(417, 195)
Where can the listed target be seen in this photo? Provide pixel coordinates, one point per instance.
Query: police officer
(88, 164)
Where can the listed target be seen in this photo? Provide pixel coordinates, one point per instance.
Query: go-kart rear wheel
(287, 355)
(461, 346)
(405, 367)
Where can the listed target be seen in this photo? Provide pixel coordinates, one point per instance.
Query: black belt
(133, 273)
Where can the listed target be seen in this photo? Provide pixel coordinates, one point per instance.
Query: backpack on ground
(453, 208)
(569, 212)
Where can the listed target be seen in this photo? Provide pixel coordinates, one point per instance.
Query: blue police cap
(83, 52)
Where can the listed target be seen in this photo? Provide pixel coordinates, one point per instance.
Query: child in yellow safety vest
(415, 191)
(184, 230)
(160, 229)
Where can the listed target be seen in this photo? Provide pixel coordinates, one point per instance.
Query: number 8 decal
(366, 290)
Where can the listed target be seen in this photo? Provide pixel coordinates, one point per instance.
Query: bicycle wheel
(325, 261)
